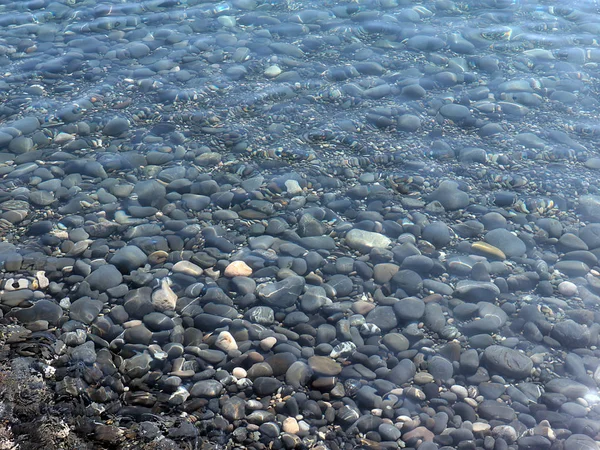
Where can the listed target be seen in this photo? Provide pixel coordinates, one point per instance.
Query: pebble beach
(281, 225)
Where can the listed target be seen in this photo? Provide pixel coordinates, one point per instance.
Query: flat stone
(364, 241)
(572, 268)
(589, 207)
(396, 342)
(234, 409)
(156, 321)
(571, 334)
(437, 233)
(409, 309)
(402, 373)
(476, 291)
(116, 126)
(508, 362)
(487, 250)
(323, 365)
(85, 310)
(40, 310)
(187, 268)
(264, 386)
(440, 368)
(383, 317)
(493, 410)
(298, 375)
(383, 273)
(506, 241)
(580, 442)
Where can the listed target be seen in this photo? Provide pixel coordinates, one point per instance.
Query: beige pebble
(290, 425)
(480, 427)
(187, 268)
(272, 71)
(460, 391)
(226, 342)
(132, 323)
(164, 299)
(238, 269)
(43, 282)
(471, 401)
(268, 343)
(239, 372)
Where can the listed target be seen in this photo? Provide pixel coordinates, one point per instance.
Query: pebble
(290, 425)
(450, 196)
(507, 242)
(282, 293)
(163, 298)
(128, 259)
(567, 289)
(226, 342)
(364, 241)
(508, 362)
(104, 277)
(238, 269)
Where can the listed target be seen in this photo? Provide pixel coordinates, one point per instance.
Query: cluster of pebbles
(293, 225)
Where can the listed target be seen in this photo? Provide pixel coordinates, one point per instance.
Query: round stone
(450, 196)
(567, 289)
(116, 126)
(290, 425)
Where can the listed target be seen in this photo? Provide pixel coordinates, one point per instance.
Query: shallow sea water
(385, 210)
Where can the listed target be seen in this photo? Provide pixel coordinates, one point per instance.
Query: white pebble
(567, 289)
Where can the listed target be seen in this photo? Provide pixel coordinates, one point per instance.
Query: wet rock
(282, 293)
(40, 310)
(104, 277)
(163, 298)
(324, 366)
(507, 242)
(206, 389)
(450, 196)
(364, 241)
(128, 259)
(570, 334)
(116, 126)
(508, 362)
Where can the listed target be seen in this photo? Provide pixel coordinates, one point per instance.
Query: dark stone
(508, 362)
